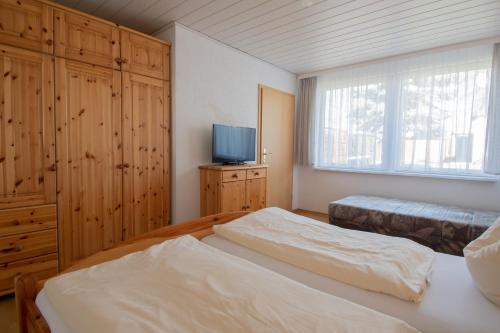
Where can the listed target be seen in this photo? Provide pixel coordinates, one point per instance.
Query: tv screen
(233, 144)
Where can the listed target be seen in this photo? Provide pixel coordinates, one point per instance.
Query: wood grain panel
(88, 117)
(256, 194)
(27, 24)
(144, 56)
(86, 39)
(27, 245)
(27, 157)
(210, 191)
(233, 196)
(146, 149)
(23, 220)
(256, 173)
(232, 176)
(42, 267)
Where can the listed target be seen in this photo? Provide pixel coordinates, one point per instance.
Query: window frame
(390, 156)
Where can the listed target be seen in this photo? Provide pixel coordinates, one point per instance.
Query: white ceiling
(309, 35)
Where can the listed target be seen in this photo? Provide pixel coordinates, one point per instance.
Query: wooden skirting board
(27, 286)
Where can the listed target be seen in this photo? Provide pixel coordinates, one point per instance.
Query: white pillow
(482, 256)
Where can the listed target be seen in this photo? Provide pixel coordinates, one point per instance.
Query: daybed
(442, 228)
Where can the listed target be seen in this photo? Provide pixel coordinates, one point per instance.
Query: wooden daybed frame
(27, 287)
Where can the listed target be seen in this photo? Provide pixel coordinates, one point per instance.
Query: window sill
(468, 177)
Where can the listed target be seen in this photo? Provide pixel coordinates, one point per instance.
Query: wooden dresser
(228, 188)
(85, 102)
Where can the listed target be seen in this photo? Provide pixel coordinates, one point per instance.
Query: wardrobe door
(144, 55)
(145, 156)
(26, 24)
(27, 157)
(89, 159)
(87, 39)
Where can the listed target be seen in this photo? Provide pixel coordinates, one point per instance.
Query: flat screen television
(233, 145)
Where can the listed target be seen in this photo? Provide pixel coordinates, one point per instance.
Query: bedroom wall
(212, 83)
(215, 83)
(317, 188)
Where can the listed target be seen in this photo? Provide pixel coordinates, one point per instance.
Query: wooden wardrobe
(84, 136)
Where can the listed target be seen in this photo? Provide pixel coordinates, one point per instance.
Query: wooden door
(87, 39)
(276, 118)
(144, 56)
(146, 121)
(26, 24)
(233, 196)
(27, 156)
(89, 159)
(256, 194)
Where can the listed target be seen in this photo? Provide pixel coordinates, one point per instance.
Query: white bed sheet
(452, 302)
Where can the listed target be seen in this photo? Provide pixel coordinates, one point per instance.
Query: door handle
(264, 154)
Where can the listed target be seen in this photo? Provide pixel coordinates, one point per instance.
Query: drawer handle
(11, 249)
(256, 173)
(235, 175)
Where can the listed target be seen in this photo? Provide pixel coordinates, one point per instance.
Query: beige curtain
(492, 156)
(305, 114)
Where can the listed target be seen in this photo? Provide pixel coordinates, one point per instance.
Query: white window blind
(422, 114)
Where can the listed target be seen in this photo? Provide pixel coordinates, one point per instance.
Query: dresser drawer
(27, 245)
(232, 176)
(42, 267)
(256, 173)
(23, 220)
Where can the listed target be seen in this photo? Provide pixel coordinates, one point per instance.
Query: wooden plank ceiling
(310, 35)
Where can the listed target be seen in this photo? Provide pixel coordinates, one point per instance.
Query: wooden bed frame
(27, 287)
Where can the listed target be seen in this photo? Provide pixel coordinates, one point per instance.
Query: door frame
(261, 86)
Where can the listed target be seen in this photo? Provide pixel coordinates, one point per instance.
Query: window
(427, 114)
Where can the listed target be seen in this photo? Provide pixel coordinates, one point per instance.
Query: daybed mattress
(452, 302)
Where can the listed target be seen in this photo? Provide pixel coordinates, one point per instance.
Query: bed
(452, 303)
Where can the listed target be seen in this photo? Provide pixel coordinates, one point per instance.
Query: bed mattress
(452, 302)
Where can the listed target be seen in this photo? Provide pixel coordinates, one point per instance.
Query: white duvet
(391, 265)
(183, 285)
